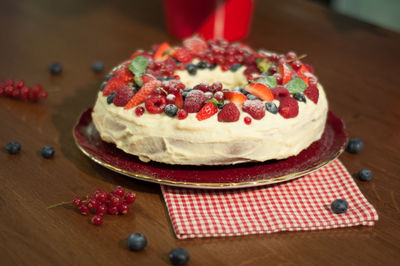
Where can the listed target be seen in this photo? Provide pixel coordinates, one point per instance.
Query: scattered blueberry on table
(98, 67)
(364, 175)
(179, 256)
(55, 68)
(136, 242)
(47, 152)
(355, 145)
(339, 206)
(13, 147)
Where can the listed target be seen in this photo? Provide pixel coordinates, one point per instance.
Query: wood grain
(358, 64)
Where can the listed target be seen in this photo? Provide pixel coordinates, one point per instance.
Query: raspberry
(280, 92)
(230, 113)
(194, 101)
(288, 107)
(183, 55)
(155, 104)
(195, 44)
(123, 95)
(142, 94)
(312, 93)
(255, 108)
(182, 114)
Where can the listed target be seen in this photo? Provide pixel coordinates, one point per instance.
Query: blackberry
(271, 107)
(300, 97)
(171, 110)
(110, 98)
(191, 68)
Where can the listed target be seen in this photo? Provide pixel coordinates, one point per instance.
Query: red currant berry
(182, 114)
(32, 96)
(42, 94)
(171, 99)
(92, 203)
(16, 93)
(177, 77)
(219, 96)
(100, 196)
(24, 93)
(9, 90)
(9, 82)
(19, 84)
(139, 111)
(296, 64)
(130, 197)
(278, 78)
(273, 57)
(97, 220)
(83, 209)
(77, 202)
(208, 95)
(291, 55)
(312, 81)
(119, 191)
(113, 210)
(115, 200)
(123, 208)
(2, 93)
(216, 86)
(101, 209)
(273, 69)
(247, 120)
(204, 87)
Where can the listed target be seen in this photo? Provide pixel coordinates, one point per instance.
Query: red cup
(212, 19)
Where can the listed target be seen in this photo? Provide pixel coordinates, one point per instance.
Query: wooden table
(358, 63)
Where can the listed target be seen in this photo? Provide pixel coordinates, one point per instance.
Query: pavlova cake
(210, 103)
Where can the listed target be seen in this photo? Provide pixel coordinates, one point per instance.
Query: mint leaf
(263, 66)
(296, 85)
(269, 81)
(138, 65)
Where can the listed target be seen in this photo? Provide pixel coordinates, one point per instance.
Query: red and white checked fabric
(299, 205)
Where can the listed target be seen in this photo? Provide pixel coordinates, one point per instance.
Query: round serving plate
(318, 154)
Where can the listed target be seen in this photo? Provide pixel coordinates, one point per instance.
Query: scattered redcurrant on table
(19, 90)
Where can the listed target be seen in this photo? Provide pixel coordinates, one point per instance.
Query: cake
(210, 103)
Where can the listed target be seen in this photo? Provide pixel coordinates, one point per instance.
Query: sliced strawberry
(195, 44)
(207, 111)
(124, 74)
(147, 78)
(179, 100)
(162, 52)
(303, 69)
(142, 94)
(235, 97)
(304, 78)
(312, 93)
(260, 90)
(112, 85)
(285, 72)
(183, 55)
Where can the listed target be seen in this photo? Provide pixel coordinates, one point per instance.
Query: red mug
(212, 19)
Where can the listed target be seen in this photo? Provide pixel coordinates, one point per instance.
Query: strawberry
(312, 93)
(112, 85)
(179, 100)
(147, 78)
(303, 69)
(285, 72)
(235, 97)
(260, 90)
(124, 74)
(182, 55)
(288, 107)
(162, 52)
(142, 94)
(230, 113)
(255, 108)
(195, 44)
(207, 111)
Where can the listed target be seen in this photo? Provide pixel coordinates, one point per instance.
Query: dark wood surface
(358, 64)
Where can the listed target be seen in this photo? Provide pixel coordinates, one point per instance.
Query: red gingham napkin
(299, 205)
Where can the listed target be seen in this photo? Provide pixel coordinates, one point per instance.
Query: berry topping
(260, 90)
(179, 256)
(47, 152)
(288, 107)
(182, 114)
(312, 93)
(120, 79)
(280, 92)
(252, 97)
(155, 104)
(97, 67)
(108, 76)
(139, 111)
(97, 220)
(195, 44)
(191, 68)
(162, 52)
(183, 55)
(194, 101)
(364, 175)
(235, 97)
(255, 108)
(303, 69)
(55, 68)
(110, 98)
(229, 113)
(355, 145)
(300, 97)
(204, 87)
(285, 72)
(216, 86)
(219, 96)
(247, 120)
(136, 242)
(207, 111)
(171, 98)
(147, 78)
(13, 147)
(339, 206)
(171, 110)
(123, 95)
(271, 107)
(142, 94)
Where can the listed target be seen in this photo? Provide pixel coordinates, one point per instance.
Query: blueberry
(300, 97)
(339, 206)
(103, 85)
(13, 147)
(212, 66)
(191, 68)
(271, 107)
(221, 105)
(108, 76)
(97, 67)
(235, 67)
(110, 98)
(136, 241)
(179, 256)
(55, 68)
(47, 152)
(252, 97)
(364, 175)
(355, 145)
(136, 87)
(171, 110)
(187, 89)
(240, 89)
(202, 65)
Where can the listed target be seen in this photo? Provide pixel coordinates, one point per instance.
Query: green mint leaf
(138, 65)
(269, 81)
(263, 65)
(296, 85)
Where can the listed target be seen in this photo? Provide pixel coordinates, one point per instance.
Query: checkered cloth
(299, 205)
